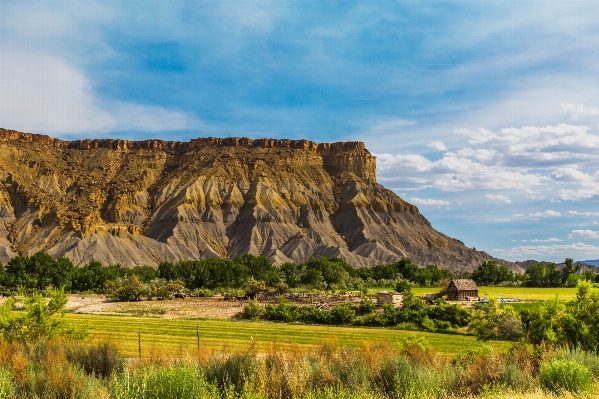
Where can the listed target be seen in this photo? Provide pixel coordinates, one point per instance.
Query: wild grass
(47, 369)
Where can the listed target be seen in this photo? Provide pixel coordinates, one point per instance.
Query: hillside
(142, 202)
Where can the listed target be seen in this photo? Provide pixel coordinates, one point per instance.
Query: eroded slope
(144, 202)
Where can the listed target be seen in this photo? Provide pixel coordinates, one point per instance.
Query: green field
(173, 337)
(524, 293)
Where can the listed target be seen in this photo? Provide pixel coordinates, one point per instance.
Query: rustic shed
(462, 290)
(384, 297)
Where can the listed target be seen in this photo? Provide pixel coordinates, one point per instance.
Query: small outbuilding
(462, 290)
(384, 297)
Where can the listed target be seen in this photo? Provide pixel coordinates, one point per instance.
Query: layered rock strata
(142, 202)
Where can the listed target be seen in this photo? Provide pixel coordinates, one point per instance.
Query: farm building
(462, 290)
(384, 297)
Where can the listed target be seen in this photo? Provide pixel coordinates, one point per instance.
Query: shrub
(102, 359)
(128, 289)
(568, 375)
(234, 374)
(343, 314)
(41, 320)
(252, 310)
(366, 307)
(587, 359)
(282, 311)
(203, 292)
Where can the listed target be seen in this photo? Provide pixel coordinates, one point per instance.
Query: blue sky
(484, 114)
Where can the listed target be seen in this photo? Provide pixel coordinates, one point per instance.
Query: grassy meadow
(176, 336)
(173, 337)
(524, 293)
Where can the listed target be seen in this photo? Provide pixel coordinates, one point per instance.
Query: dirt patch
(212, 308)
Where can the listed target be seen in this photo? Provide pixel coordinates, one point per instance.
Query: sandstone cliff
(142, 202)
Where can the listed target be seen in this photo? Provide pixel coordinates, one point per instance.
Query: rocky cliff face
(142, 202)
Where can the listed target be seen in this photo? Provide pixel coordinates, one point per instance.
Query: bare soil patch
(212, 308)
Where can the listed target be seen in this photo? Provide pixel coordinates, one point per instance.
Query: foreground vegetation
(75, 369)
(44, 354)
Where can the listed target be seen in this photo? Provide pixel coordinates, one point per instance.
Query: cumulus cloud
(588, 192)
(547, 240)
(545, 214)
(579, 110)
(533, 146)
(540, 251)
(433, 202)
(570, 174)
(452, 173)
(437, 145)
(584, 234)
(498, 198)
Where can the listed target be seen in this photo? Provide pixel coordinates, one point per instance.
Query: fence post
(139, 342)
(198, 336)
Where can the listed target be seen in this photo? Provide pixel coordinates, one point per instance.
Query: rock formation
(142, 202)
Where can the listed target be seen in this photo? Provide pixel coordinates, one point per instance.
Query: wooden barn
(462, 290)
(384, 297)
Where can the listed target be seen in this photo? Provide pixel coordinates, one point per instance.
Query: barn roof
(465, 284)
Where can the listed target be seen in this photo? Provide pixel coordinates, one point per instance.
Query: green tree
(17, 274)
(42, 318)
(127, 289)
(543, 275)
(488, 273)
(568, 269)
(496, 322)
(260, 268)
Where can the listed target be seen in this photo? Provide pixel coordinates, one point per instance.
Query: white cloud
(437, 145)
(579, 110)
(432, 202)
(570, 174)
(584, 234)
(452, 173)
(532, 146)
(547, 240)
(545, 214)
(498, 198)
(48, 95)
(577, 213)
(568, 250)
(589, 191)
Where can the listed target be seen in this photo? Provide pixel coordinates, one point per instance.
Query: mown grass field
(524, 293)
(174, 337)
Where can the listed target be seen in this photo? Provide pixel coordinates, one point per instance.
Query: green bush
(343, 314)
(203, 292)
(252, 310)
(587, 359)
(568, 375)
(366, 307)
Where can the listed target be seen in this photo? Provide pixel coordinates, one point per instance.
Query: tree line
(257, 273)
(543, 274)
(40, 271)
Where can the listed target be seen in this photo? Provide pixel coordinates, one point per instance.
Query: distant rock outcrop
(142, 202)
